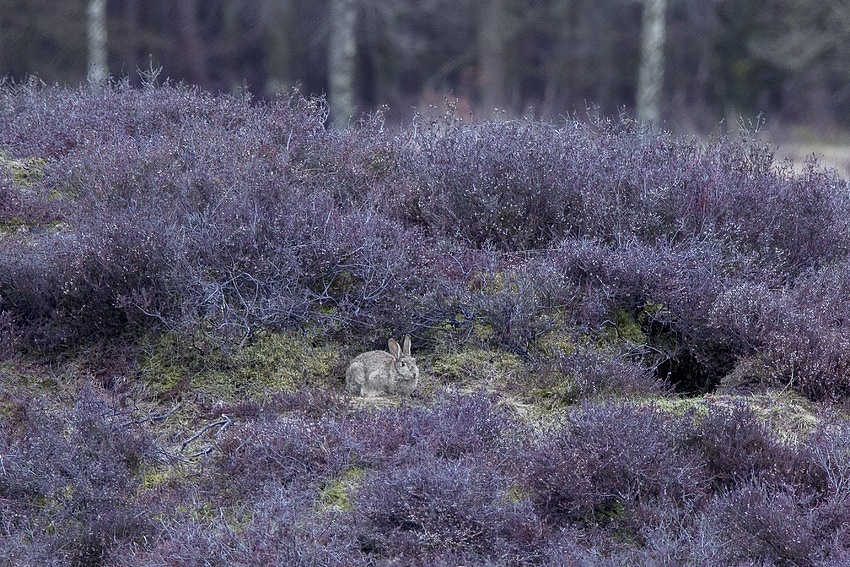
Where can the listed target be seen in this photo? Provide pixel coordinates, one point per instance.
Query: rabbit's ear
(407, 345)
(395, 350)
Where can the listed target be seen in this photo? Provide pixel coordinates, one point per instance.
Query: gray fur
(381, 373)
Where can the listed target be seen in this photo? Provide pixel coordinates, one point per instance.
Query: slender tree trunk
(491, 55)
(96, 28)
(651, 72)
(342, 55)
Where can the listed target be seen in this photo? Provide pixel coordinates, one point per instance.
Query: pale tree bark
(96, 29)
(342, 55)
(491, 54)
(651, 71)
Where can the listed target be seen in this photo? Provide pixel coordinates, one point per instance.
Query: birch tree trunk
(342, 54)
(96, 30)
(651, 71)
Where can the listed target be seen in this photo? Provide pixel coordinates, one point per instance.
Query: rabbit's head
(405, 364)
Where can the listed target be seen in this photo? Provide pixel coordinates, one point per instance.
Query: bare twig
(160, 417)
(222, 424)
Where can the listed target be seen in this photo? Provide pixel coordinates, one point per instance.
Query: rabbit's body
(379, 372)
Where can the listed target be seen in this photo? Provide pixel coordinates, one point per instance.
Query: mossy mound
(23, 172)
(336, 493)
(788, 415)
(272, 362)
(489, 368)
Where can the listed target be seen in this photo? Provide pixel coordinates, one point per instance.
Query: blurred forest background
(782, 62)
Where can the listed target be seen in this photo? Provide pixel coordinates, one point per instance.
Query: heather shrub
(418, 511)
(791, 222)
(736, 447)
(506, 184)
(793, 336)
(654, 302)
(831, 530)
(520, 185)
(358, 165)
(281, 529)
(769, 525)
(523, 304)
(203, 213)
(671, 222)
(458, 426)
(235, 217)
(607, 464)
(828, 452)
(65, 286)
(299, 259)
(386, 435)
(746, 311)
(589, 373)
(811, 351)
(260, 455)
(69, 481)
(815, 364)
(494, 300)
(455, 426)
(9, 336)
(313, 402)
(24, 207)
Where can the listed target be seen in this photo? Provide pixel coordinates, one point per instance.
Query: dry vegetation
(634, 348)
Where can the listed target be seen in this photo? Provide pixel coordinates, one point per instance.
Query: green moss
(169, 363)
(483, 332)
(493, 283)
(560, 341)
(23, 172)
(609, 511)
(650, 309)
(516, 494)
(677, 407)
(284, 362)
(787, 414)
(271, 363)
(32, 377)
(624, 328)
(336, 494)
(477, 366)
(564, 393)
(13, 224)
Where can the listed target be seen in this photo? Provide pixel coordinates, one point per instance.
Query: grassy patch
(490, 368)
(336, 493)
(273, 362)
(23, 172)
(624, 328)
(788, 415)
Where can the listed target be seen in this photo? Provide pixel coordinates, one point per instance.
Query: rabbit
(378, 372)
